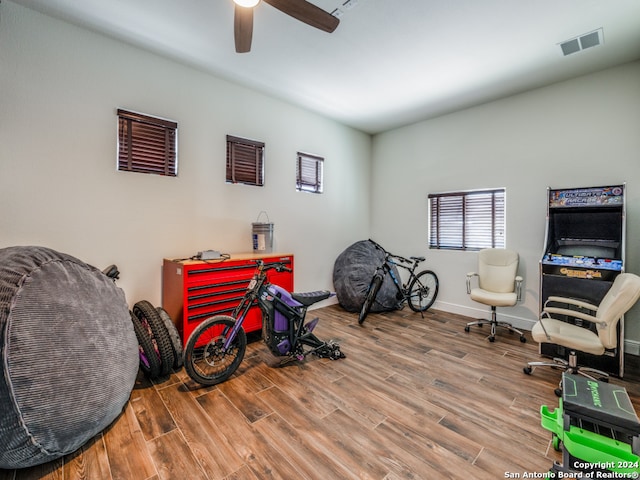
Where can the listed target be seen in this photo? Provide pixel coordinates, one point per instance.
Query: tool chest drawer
(195, 290)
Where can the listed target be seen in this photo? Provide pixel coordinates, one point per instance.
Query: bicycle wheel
(205, 359)
(423, 290)
(374, 288)
(174, 336)
(149, 359)
(150, 319)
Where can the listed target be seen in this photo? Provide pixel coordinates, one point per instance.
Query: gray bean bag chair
(352, 274)
(68, 354)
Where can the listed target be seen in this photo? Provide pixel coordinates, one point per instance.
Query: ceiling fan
(299, 9)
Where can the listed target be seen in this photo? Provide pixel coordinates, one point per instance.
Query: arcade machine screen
(589, 239)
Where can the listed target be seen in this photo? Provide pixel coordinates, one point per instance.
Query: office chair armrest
(469, 276)
(570, 301)
(546, 334)
(571, 313)
(519, 280)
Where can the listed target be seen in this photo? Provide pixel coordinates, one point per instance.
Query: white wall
(60, 87)
(579, 133)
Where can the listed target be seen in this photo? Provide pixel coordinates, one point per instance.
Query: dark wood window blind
(470, 220)
(309, 173)
(147, 144)
(245, 161)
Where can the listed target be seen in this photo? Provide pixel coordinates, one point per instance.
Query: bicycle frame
(389, 262)
(250, 296)
(263, 293)
(279, 310)
(416, 292)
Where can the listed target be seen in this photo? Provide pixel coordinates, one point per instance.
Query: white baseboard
(631, 347)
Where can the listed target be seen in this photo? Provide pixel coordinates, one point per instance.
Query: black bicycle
(419, 292)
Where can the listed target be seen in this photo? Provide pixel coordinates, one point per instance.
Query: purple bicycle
(217, 346)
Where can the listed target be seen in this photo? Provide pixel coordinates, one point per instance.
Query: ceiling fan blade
(243, 28)
(306, 12)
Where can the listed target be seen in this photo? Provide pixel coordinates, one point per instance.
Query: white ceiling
(389, 62)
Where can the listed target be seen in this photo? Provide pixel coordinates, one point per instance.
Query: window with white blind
(309, 173)
(147, 144)
(470, 220)
(245, 161)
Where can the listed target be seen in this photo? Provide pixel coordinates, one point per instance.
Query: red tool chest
(195, 290)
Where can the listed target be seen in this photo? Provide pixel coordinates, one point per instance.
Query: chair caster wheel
(523, 339)
(492, 339)
(466, 329)
(527, 370)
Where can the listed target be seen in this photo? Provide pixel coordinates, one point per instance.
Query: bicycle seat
(309, 298)
(417, 259)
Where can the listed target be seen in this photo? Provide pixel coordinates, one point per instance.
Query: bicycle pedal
(312, 324)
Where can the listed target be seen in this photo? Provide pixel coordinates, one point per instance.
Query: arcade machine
(584, 252)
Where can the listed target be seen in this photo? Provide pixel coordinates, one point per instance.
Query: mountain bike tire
(150, 319)
(174, 336)
(372, 292)
(149, 359)
(423, 291)
(204, 360)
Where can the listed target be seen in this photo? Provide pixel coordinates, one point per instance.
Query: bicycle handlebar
(389, 254)
(378, 246)
(279, 267)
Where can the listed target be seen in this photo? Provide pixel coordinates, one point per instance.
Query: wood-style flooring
(416, 398)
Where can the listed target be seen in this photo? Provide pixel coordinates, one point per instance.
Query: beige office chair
(604, 318)
(498, 286)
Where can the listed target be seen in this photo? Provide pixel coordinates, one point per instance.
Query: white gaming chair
(599, 333)
(498, 286)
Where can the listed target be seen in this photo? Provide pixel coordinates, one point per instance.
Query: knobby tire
(149, 359)
(174, 336)
(204, 360)
(149, 315)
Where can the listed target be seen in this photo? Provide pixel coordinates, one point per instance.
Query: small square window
(147, 144)
(245, 161)
(309, 173)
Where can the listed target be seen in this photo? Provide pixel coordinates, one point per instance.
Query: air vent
(570, 46)
(588, 40)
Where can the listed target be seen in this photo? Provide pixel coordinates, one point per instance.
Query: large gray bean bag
(352, 274)
(68, 354)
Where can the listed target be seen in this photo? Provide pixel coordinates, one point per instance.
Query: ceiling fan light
(247, 3)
